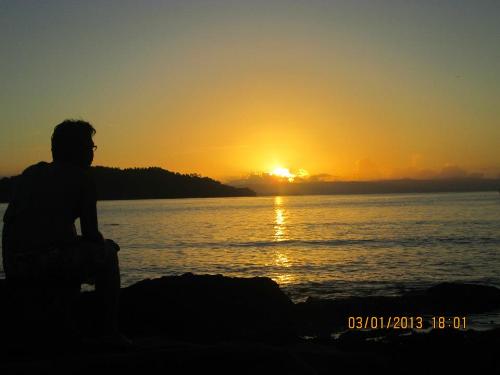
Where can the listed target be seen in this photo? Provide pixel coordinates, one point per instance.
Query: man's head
(72, 143)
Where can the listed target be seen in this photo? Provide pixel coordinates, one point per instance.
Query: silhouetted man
(39, 237)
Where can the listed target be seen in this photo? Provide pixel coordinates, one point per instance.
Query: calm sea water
(326, 246)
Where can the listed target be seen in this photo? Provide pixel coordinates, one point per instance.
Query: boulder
(204, 307)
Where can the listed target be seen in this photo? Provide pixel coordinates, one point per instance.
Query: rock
(205, 307)
(214, 307)
(210, 323)
(317, 317)
(463, 298)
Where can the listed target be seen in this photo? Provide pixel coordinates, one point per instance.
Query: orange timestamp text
(406, 322)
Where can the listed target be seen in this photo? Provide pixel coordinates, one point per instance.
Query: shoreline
(493, 190)
(195, 323)
(321, 316)
(480, 317)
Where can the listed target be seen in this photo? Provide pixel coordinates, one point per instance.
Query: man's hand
(112, 244)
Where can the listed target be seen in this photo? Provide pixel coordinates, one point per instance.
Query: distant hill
(371, 187)
(147, 183)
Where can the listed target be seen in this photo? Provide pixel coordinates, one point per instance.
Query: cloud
(454, 171)
(267, 178)
(448, 171)
(367, 170)
(321, 177)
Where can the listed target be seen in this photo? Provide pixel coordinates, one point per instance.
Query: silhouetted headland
(147, 183)
(216, 324)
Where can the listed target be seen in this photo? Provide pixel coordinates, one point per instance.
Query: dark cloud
(454, 171)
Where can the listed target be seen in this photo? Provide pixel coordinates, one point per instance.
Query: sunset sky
(352, 89)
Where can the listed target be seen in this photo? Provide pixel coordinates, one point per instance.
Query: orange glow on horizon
(257, 88)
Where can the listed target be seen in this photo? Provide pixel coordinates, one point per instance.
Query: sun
(282, 172)
(285, 173)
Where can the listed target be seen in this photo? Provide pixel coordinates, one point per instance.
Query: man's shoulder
(56, 171)
(34, 168)
(38, 170)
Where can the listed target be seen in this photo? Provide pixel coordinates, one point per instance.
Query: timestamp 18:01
(406, 322)
(442, 322)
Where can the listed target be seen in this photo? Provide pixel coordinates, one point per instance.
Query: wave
(404, 242)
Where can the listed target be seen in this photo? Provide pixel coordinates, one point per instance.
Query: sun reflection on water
(284, 279)
(279, 220)
(281, 259)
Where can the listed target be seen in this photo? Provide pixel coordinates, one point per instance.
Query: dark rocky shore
(217, 324)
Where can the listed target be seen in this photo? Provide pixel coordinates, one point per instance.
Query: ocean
(312, 246)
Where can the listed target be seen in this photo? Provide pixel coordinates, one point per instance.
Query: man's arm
(88, 223)
(88, 217)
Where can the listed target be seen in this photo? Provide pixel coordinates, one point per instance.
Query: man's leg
(107, 285)
(97, 263)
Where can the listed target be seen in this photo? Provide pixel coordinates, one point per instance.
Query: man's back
(46, 201)
(39, 240)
